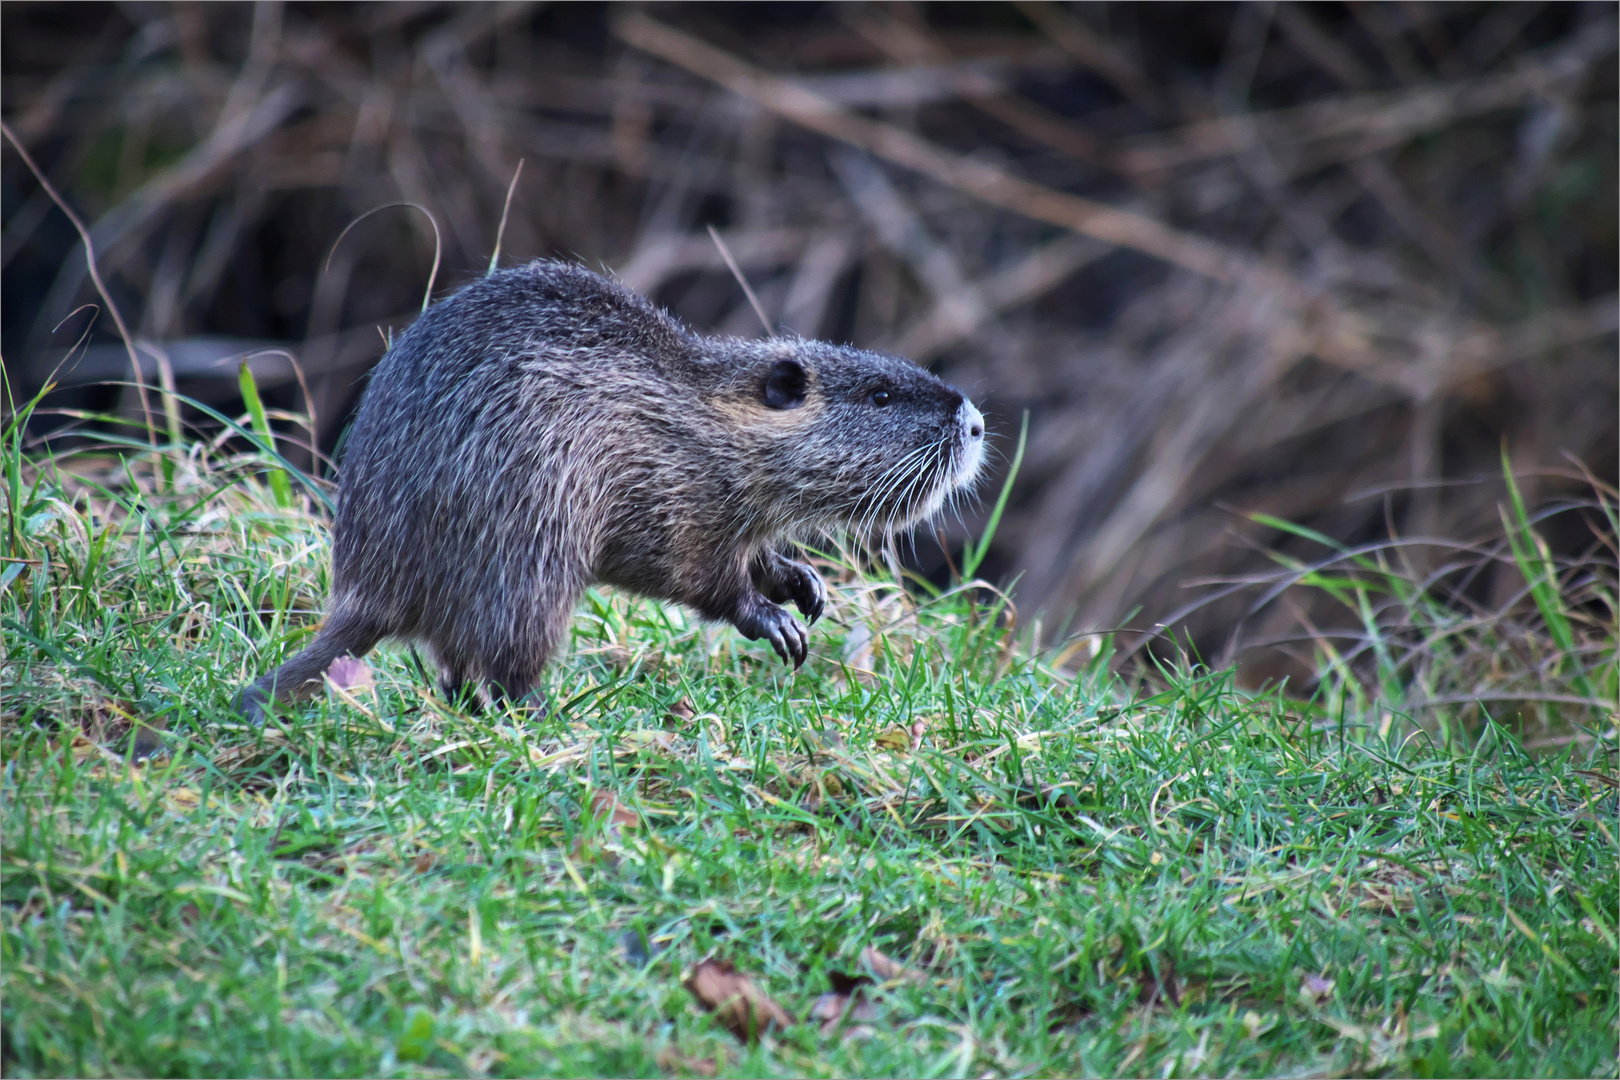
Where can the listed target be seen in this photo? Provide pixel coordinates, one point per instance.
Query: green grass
(1096, 875)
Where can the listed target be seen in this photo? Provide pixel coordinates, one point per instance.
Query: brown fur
(546, 428)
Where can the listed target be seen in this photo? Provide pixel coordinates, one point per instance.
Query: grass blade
(1535, 563)
(261, 424)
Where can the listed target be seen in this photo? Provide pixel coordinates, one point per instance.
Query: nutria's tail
(343, 634)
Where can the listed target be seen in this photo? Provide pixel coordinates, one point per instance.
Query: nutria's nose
(972, 422)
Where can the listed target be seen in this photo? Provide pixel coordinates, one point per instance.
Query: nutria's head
(845, 438)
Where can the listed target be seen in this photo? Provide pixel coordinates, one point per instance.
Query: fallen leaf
(83, 748)
(1314, 989)
(350, 673)
(826, 739)
(851, 1011)
(887, 970)
(829, 1006)
(605, 841)
(606, 808)
(735, 1000)
(895, 739)
(846, 1007)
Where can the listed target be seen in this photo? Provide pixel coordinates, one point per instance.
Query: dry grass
(1231, 265)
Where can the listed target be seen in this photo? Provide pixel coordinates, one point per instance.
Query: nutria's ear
(785, 385)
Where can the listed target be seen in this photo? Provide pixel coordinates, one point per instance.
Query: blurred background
(1238, 264)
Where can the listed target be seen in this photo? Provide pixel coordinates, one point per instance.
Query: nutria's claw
(787, 636)
(790, 640)
(784, 579)
(809, 591)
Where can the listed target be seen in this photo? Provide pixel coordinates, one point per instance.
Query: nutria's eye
(785, 385)
(881, 398)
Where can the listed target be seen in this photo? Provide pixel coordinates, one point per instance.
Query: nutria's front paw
(798, 582)
(790, 639)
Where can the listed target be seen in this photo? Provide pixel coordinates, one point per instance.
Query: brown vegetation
(1316, 262)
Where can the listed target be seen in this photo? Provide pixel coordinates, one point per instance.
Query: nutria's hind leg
(452, 676)
(516, 686)
(343, 634)
(518, 647)
(462, 694)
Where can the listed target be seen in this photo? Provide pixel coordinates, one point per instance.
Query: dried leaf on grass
(886, 969)
(894, 740)
(348, 677)
(603, 839)
(846, 1007)
(738, 1004)
(611, 813)
(852, 1012)
(350, 673)
(1314, 989)
(83, 748)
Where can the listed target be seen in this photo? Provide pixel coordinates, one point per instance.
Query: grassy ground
(1085, 875)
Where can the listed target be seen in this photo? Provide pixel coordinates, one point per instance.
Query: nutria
(547, 428)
